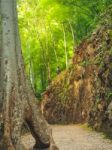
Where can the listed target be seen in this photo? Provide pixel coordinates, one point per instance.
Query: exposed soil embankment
(84, 91)
(69, 96)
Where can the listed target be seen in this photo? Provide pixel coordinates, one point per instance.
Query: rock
(83, 92)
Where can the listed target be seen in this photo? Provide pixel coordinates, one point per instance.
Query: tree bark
(16, 96)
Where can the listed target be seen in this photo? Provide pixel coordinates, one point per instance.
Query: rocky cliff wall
(83, 93)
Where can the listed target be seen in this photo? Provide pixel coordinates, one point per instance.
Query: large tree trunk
(17, 101)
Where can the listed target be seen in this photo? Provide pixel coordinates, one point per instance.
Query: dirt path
(75, 137)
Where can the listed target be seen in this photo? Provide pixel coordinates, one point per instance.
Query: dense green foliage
(50, 30)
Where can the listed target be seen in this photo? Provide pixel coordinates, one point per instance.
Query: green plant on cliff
(85, 63)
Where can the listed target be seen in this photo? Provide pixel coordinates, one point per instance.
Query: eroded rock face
(84, 91)
(69, 97)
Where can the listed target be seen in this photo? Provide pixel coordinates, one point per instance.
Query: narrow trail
(74, 137)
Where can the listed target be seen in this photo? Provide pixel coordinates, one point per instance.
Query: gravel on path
(74, 137)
